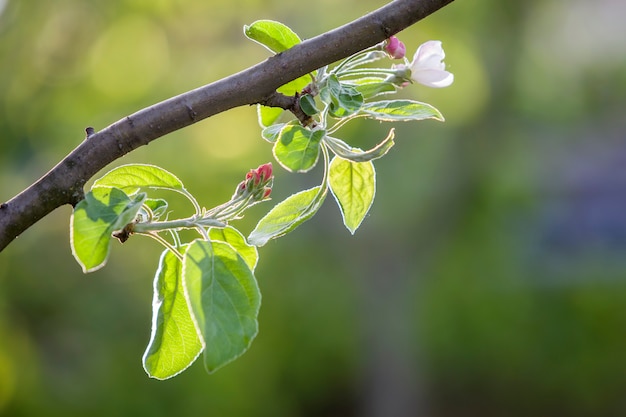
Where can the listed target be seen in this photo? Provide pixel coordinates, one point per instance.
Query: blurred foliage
(489, 278)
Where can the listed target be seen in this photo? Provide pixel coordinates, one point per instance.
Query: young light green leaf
(275, 36)
(345, 151)
(272, 132)
(400, 111)
(103, 211)
(131, 178)
(224, 299)
(287, 215)
(174, 343)
(268, 115)
(235, 239)
(353, 185)
(297, 148)
(158, 206)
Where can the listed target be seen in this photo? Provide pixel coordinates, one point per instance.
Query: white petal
(433, 78)
(429, 56)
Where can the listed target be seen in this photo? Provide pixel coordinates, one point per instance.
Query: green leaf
(174, 343)
(103, 211)
(307, 104)
(272, 132)
(353, 184)
(235, 239)
(345, 151)
(157, 205)
(372, 86)
(268, 115)
(287, 215)
(297, 148)
(224, 299)
(400, 111)
(343, 99)
(131, 178)
(275, 36)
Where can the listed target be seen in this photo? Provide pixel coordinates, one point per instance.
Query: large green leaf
(287, 215)
(297, 148)
(400, 111)
(235, 239)
(353, 184)
(224, 299)
(275, 36)
(174, 342)
(103, 211)
(131, 178)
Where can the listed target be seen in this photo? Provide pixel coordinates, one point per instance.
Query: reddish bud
(264, 172)
(261, 175)
(395, 48)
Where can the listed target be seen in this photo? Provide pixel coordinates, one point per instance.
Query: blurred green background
(489, 278)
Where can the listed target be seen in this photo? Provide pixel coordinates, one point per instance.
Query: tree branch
(64, 183)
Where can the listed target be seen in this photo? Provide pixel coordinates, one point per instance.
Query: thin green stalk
(342, 122)
(164, 242)
(188, 223)
(366, 71)
(354, 59)
(193, 200)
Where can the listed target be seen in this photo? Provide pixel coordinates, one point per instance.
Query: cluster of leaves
(206, 298)
(331, 97)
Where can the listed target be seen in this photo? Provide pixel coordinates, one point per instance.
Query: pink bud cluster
(258, 182)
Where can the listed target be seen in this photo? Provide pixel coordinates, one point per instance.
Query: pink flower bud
(261, 175)
(252, 177)
(264, 173)
(267, 192)
(395, 48)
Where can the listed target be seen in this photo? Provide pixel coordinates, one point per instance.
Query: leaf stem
(366, 71)
(164, 242)
(188, 223)
(356, 60)
(193, 200)
(343, 121)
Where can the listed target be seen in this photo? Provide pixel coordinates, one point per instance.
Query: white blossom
(427, 67)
